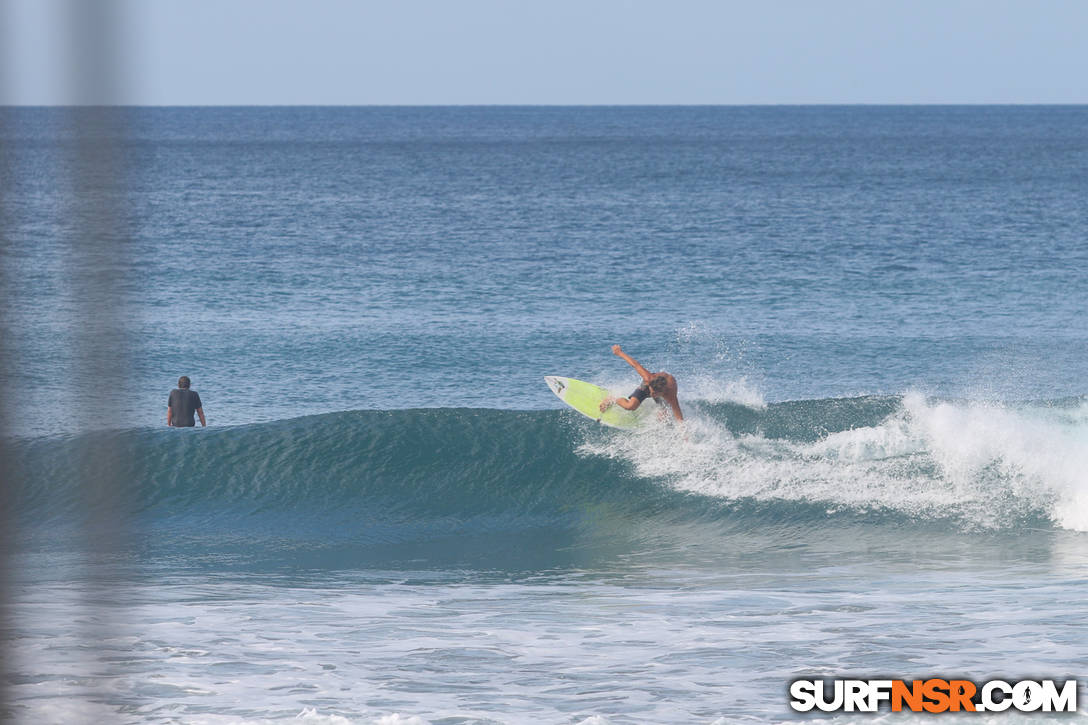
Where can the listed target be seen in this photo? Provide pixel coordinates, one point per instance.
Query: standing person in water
(182, 404)
(660, 386)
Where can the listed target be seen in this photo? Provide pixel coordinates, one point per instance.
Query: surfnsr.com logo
(933, 695)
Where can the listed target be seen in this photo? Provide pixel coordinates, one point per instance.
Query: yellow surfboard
(586, 398)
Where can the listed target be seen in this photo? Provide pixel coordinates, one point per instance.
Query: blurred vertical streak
(97, 250)
(7, 476)
(94, 246)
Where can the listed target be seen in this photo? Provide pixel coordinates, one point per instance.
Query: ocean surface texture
(876, 316)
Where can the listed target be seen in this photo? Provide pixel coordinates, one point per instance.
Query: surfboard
(586, 398)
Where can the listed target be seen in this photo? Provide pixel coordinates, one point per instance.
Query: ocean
(875, 315)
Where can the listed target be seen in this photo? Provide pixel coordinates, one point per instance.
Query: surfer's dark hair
(658, 383)
(184, 382)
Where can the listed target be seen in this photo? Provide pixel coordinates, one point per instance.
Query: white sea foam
(647, 643)
(985, 463)
(398, 719)
(710, 389)
(1038, 454)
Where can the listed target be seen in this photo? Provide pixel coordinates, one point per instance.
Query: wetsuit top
(643, 391)
(183, 404)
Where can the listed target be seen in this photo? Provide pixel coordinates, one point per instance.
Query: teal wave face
(355, 468)
(326, 461)
(363, 486)
(368, 480)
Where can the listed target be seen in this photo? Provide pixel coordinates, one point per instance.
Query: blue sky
(241, 52)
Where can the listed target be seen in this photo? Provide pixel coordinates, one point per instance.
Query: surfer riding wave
(661, 386)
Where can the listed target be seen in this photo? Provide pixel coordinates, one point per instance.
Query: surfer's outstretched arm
(643, 372)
